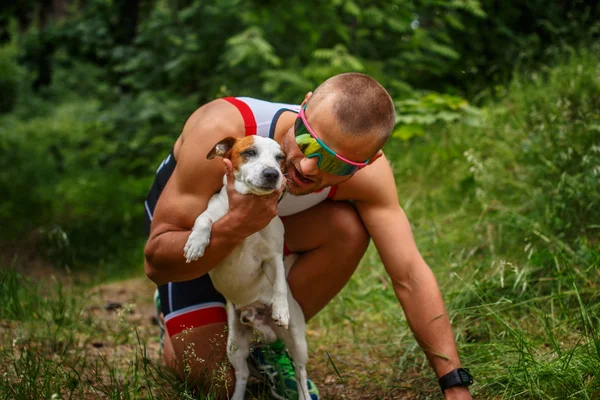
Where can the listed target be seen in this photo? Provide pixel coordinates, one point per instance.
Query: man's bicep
(194, 180)
(176, 211)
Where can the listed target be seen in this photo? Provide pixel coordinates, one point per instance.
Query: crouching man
(332, 143)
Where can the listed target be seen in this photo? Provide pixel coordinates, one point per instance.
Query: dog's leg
(200, 236)
(281, 311)
(238, 349)
(295, 341)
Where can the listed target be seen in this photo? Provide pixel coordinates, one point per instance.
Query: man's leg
(331, 239)
(195, 341)
(198, 355)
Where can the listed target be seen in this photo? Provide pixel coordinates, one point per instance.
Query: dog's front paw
(281, 314)
(195, 246)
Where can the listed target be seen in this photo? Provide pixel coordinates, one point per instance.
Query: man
(333, 153)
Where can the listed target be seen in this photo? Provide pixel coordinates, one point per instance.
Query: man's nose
(309, 166)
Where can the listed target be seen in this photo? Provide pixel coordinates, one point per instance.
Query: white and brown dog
(253, 277)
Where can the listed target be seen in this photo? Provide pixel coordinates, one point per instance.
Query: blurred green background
(94, 92)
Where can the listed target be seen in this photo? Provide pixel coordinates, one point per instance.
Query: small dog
(253, 277)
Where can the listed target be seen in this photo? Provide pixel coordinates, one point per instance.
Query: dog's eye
(280, 157)
(249, 153)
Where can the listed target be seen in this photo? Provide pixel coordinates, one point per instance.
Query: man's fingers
(228, 171)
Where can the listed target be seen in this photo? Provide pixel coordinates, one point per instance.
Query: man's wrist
(456, 381)
(228, 230)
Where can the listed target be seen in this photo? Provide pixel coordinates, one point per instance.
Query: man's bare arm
(186, 195)
(414, 283)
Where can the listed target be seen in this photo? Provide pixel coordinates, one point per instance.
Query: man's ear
(375, 157)
(221, 149)
(308, 96)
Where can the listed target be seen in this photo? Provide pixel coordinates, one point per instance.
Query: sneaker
(159, 319)
(277, 370)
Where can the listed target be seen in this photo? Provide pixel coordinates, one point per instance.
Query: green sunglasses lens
(310, 147)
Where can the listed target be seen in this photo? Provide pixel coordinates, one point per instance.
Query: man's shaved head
(360, 105)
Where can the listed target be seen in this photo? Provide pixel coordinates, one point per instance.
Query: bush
(10, 78)
(80, 183)
(520, 188)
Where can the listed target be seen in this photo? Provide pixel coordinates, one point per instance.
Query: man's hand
(457, 393)
(249, 213)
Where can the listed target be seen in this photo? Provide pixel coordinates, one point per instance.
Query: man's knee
(350, 232)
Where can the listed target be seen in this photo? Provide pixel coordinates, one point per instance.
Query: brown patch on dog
(240, 145)
(233, 148)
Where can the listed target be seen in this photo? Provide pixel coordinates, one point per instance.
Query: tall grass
(54, 346)
(507, 215)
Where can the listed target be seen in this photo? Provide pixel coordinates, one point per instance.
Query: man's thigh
(324, 223)
(330, 239)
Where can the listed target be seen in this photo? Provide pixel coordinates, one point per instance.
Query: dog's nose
(270, 174)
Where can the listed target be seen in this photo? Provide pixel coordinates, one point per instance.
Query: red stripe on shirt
(286, 250)
(196, 318)
(332, 192)
(247, 115)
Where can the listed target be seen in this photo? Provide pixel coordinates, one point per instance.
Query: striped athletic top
(260, 118)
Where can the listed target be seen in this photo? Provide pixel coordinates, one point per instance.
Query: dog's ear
(222, 149)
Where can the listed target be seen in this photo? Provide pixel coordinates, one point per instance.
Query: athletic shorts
(187, 304)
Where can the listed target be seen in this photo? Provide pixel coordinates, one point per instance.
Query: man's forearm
(165, 261)
(424, 307)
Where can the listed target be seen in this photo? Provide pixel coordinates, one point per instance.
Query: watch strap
(456, 377)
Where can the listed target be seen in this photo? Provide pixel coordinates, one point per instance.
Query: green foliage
(11, 76)
(517, 34)
(525, 176)
(545, 148)
(75, 176)
(414, 116)
(91, 139)
(22, 300)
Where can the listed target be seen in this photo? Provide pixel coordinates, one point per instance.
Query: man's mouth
(298, 178)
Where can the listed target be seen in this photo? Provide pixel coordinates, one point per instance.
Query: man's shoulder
(370, 184)
(218, 117)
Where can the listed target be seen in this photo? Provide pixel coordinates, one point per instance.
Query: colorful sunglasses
(312, 146)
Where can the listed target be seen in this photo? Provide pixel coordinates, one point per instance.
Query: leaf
(408, 131)
(443, 50)
(351, 8)
(398, 25)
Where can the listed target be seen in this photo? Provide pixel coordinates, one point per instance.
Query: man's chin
(297, 190)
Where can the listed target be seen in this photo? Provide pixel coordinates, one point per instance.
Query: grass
(506, 214)
(52, 344)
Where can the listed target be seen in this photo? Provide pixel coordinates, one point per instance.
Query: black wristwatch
(456, 377)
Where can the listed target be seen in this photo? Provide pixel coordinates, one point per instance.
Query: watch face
(464, 376)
